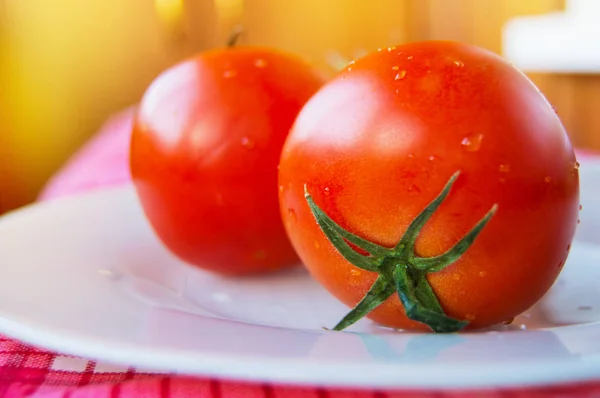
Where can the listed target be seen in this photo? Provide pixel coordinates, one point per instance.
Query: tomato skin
(205, 146)
(379, 141)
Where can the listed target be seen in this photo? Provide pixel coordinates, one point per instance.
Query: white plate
(86, 276)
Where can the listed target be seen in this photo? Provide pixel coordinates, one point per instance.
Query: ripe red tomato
(205, 146)
(378, 143)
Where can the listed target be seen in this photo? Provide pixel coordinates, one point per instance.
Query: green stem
(413, 230)
(438, 263)
(400, 270)
(338, 236)
(379, 292)
(417, 311)
(424, 293)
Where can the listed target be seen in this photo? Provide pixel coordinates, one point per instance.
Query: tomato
(205, 145)
(403, 126)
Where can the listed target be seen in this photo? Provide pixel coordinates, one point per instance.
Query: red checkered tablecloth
(26, 371)
(29, 372)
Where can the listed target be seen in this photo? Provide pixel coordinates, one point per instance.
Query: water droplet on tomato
(326, 189)
(379, 49)
(576, 166)
(349, 69)
(547, 179)
(459, 63)
(431, 158)
(281, 188)
(292, 215)
(395, 67)
(355, 272)
(414, 188)
(392, 48)
(351, 63)
(409, 57)
(229, 74)
(400, 75)
(472, 142)
(260, 63)
(410, 155)
(482, 273)
(456, 277)
(317, 245)
(248, 143)
(504, 168)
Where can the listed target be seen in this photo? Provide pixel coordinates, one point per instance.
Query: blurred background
(67, 65)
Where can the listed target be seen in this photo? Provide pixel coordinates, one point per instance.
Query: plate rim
(312, 372)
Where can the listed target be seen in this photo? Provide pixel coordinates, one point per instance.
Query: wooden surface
(576, 99)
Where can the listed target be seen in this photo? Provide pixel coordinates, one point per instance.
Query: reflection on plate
(86, 276)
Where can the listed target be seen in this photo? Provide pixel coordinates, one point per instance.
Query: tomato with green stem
(205, 146)
(444, 188)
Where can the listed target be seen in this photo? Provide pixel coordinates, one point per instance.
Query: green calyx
(400, 270)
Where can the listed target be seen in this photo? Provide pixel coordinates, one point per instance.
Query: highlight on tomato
(430, 187)
(205, 146)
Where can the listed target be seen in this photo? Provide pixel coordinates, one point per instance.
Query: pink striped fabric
(29, 372)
